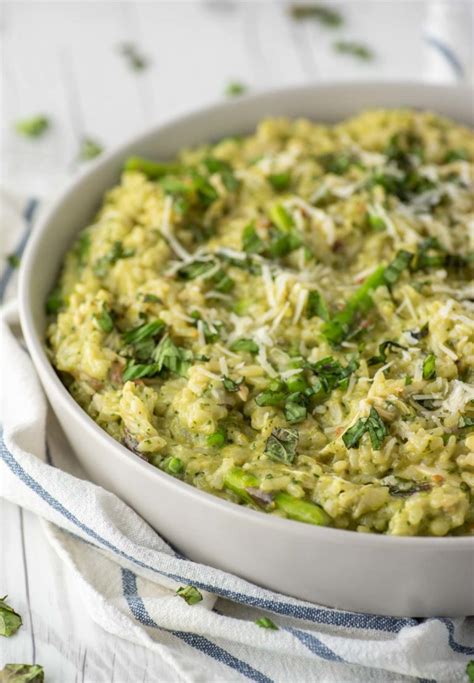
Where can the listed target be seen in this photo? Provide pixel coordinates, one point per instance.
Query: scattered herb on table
(10, 621)
(323, 13)
(135, 60)
(357, 50)
(265, 622)
(22, 673)
(190, 594)
(235, 88)
(470, 671)
(33, 127)
(89, 149)
(13, 260)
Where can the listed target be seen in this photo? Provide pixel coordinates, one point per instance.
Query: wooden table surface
(63, 59)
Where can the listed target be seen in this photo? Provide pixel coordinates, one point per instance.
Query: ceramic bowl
(421, 576)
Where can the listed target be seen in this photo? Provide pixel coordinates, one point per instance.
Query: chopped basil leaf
(151, 299)
(376, 223)
(337, 163)
(324, 14)
(190, 594)
(350, 47)
(421, 333)
(316, 305)
(282, 444)
(429, 367)
(280, 181)
(33, 127)
(22, 673)
(281, 218)
(373, 424)
(54, 302)
(138, 370)
(376, 428)
(247, 345)
(470, 671)
(403, 489)
(143, 332)
(105, 320)
(265, 622)
(466, 423)
(396, 267)
(10, 621)
(332, 374)
(251, 242)
(195, 269)
(82, 247)
(382, 355)
(459, 154)
(225, 170)
(117, 252)
(271, 397)
(171, 357)
(295, 412)
(230, 384)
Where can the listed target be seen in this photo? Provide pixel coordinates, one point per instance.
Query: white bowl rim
(66, 402)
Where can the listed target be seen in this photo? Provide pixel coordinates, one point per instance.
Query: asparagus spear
(238, 481)
(337, 329)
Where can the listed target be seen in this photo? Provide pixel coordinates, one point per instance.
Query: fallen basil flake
(265, 622)
(33, 127)
(190, 594)
(22, 673)
(10, 621)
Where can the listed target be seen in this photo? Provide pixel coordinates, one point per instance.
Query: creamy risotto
(285, 320)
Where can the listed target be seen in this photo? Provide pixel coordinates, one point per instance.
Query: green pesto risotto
(285, 320)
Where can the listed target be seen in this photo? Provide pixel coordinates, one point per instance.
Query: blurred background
(78, 78)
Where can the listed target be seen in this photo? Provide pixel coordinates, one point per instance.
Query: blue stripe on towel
(315, 645)
(28, 215)
(447, 53)
(308, 613)
(207, 647)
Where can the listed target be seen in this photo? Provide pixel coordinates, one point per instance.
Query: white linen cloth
(127, 575)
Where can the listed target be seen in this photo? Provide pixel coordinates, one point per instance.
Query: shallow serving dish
(413, 576)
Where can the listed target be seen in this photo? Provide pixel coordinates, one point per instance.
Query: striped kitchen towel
(127, 575)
